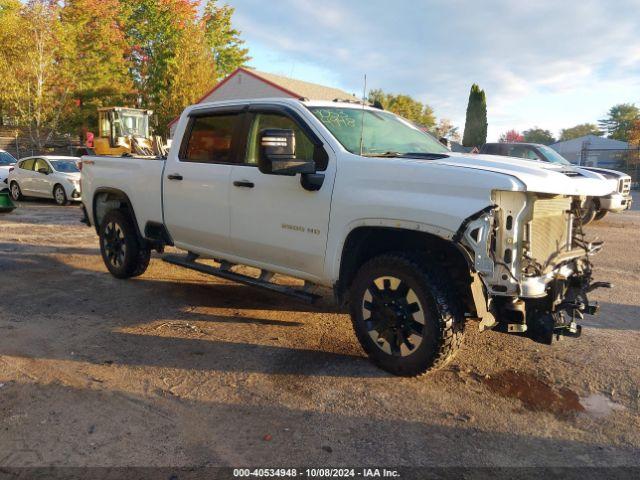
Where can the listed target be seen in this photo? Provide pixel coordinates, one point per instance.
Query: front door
(196, 182)
(274, 220)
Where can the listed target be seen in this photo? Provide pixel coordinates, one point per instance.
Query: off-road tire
(14, 187)
(443, 314)
(134, 259)
(60, 199)
(600, 215)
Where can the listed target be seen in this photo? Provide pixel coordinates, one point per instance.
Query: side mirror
(43, 171)
(278, 154)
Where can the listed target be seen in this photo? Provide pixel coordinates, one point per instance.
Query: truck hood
(536, 176)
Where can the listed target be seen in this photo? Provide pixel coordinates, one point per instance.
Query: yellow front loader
(126, 131)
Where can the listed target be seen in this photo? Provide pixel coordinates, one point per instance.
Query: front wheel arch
(365, 243)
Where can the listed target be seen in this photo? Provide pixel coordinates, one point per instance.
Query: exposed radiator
(549, 231)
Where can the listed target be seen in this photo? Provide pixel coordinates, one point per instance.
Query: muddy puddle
(537, 395)
(534, 393)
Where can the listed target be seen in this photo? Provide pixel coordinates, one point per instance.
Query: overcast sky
(542, 63)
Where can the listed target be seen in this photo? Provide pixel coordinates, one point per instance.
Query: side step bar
(189, 261)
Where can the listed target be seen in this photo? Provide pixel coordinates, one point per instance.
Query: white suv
(46, 177)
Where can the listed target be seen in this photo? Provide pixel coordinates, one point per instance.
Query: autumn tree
(634, 135)
(176, 56)
(538, 135)
(405, 106)
(446, 129)
(97, 46)
(475, 126)
(191, 72)
(580, 131)
(511, 136)
(620, 120)
(34, 65)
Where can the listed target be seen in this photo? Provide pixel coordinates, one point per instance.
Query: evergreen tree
(475, 127)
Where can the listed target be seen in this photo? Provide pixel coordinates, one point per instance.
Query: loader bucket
(6, 205)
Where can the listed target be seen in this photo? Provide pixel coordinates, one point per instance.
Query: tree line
(622, 122)
(61, 60)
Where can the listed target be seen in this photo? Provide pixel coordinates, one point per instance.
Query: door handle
(174, 176)
(243, 183)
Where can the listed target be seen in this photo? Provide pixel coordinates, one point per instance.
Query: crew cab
(413, 239)
(617, 200)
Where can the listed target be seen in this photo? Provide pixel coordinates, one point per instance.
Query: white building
(244, 83)
(592, 151)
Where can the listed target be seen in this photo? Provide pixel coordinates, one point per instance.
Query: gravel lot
(179, 369)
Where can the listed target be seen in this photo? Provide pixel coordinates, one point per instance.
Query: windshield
(383, 134)
(553, 156)
(132, 122)
(64, 166)
(6, 159)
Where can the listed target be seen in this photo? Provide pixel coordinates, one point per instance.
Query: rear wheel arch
(107, 199)
(364, 243)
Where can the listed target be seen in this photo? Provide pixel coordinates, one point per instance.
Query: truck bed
(140, 179)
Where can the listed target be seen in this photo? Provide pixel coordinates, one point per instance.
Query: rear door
(25, 175)
(196, 181)
(41, 182)
(274, 220)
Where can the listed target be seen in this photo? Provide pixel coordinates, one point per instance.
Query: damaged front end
(530, 252)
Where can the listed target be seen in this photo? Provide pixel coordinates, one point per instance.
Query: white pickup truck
(413, 238)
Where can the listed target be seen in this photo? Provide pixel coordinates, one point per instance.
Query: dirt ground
(176, 368)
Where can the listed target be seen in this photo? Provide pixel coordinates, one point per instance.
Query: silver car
(46, 177)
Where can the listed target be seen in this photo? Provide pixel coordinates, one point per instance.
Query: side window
(305, 149)
(28, 164)
(41, 164)
(210, 139)
(520, 151)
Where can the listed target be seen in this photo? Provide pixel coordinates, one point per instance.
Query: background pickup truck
(617, 200)
(412, 238)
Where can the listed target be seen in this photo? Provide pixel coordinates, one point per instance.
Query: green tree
(475, 126)
(538, 135)
(620, 120)
(579, 131)
(446, 129)
(224, 41)
(97, 50)
(34, 66)
(191, 71)
(176, 55)
(405, 106)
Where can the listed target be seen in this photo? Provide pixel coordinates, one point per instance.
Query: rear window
(27, 164)
(210, 139)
